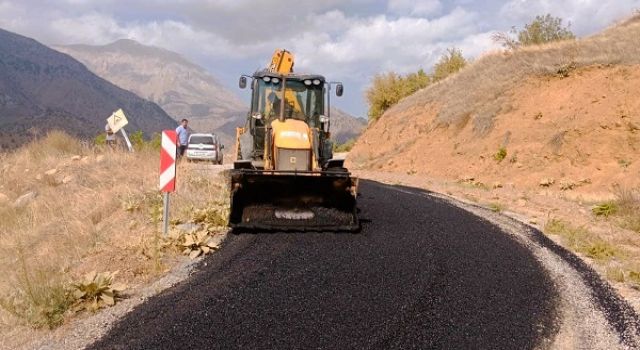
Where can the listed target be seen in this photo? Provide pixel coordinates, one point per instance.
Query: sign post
(167, 172)
(126, 139)
(117, 122)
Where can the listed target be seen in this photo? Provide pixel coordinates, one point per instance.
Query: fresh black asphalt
(422, 274)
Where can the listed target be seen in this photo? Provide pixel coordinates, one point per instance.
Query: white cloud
(415, 7)
(585, 16)
(380, 43)
(341, 39)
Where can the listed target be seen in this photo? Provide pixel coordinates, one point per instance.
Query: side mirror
(243, 82)
(339, 90)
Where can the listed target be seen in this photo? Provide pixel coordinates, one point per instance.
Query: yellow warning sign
(117, 120)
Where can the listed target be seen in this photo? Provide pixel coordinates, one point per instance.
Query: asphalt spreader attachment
(293, 201)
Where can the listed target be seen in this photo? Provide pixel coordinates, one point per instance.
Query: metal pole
(126, 138)
(165, 214)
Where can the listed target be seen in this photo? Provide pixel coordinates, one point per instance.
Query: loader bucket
(286, 201)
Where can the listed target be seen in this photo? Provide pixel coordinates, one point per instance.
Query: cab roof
(266, 73)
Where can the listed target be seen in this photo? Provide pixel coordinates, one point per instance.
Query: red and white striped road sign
(168, 161)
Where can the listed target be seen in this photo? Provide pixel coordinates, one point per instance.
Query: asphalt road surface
(422, 274)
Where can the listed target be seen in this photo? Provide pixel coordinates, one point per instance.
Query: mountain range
(42, 89)
(182, 88)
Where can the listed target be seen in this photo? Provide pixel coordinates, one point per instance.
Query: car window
(206, 140)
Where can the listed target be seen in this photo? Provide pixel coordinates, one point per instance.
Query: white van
(204, 147)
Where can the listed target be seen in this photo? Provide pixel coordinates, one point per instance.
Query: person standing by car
(183, 136)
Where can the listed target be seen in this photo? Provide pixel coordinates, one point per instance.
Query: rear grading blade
(286, 201)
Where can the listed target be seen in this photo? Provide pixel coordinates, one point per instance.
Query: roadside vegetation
(542, 30)
(389, 88)
(344, 147)
(79, 224)
(615, 254)
(624, 210)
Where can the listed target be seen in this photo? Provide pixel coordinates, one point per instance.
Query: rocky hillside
(180, 87)
(344, 126)
(565, 115)
(42, 89)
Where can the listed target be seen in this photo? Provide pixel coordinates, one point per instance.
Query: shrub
(39, 297)
(500, 155)
(605, 209)
(451, 62)
(198, 243)
(137, 139)
(156, 142)
(389, 88)
(543, 29)
(496, 207)
(96, 290)
(345, 147)
(100, 140)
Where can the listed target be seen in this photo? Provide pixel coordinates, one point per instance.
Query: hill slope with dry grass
(67, 209)
(568, 111)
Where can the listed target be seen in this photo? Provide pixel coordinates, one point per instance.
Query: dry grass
(583, 241)
(98, 211)
(628, 208)
(480, 89)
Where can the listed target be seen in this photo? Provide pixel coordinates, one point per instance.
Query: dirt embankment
(581, 131)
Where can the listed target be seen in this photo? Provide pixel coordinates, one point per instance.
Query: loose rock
(566, 185)
(547, 182)
(467, 178)
(188, 228)
(51, 172)
(25, 199)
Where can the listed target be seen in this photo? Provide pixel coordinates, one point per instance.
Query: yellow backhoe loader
(284, 176)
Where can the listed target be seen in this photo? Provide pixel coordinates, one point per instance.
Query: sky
(348, 41)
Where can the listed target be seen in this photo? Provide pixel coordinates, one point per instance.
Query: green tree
(414, 81)
(544, 29)
(384, 92)
(451, 62)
